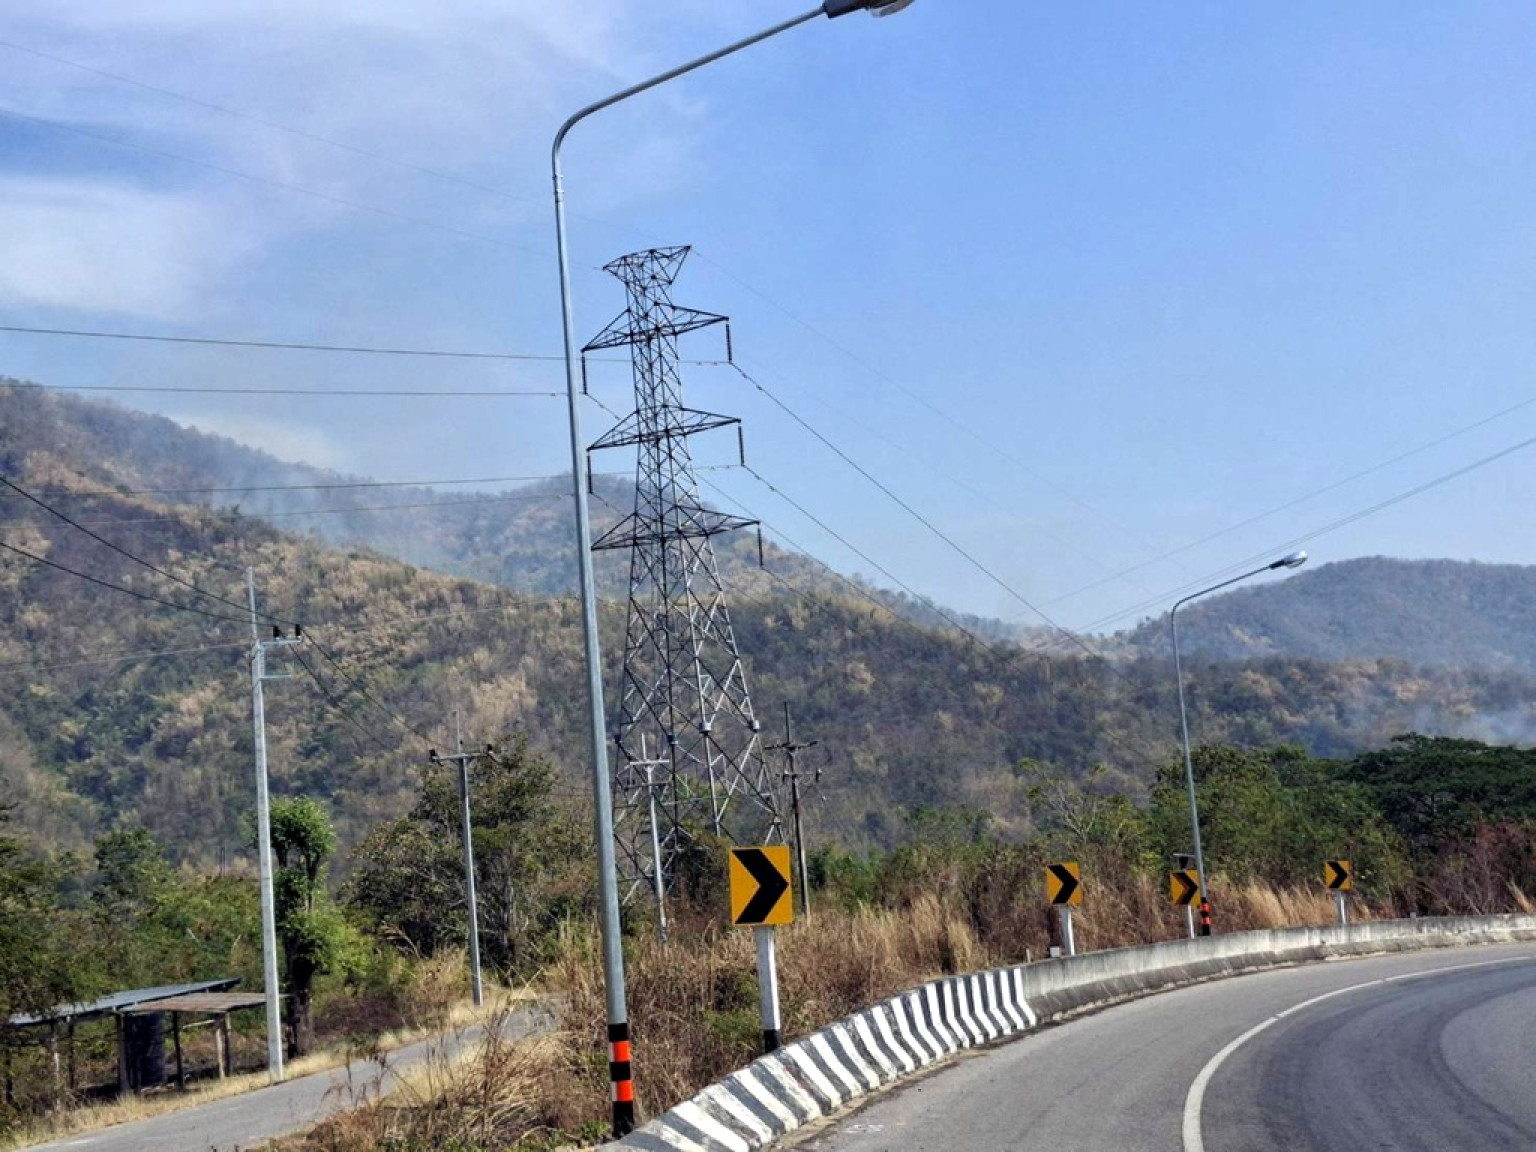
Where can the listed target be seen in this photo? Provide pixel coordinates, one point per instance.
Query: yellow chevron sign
(1064, 883)
(1183, 886)
(1338, 875)
(760, 887)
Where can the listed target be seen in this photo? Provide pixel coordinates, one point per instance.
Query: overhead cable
(1071, 637)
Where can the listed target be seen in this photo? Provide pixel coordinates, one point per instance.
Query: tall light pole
(608, 887)
(1294, 560)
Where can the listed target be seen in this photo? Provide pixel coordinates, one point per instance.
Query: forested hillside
(133, 707)
(1441, 613)
(517, 536)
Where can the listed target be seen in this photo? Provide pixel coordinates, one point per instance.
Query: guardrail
(817, 1075)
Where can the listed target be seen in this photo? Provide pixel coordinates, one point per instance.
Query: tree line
(1433, 826)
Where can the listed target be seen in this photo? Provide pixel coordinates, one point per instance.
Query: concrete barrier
(819, 1074)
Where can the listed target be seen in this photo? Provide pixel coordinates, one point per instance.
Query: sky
(1046, 311)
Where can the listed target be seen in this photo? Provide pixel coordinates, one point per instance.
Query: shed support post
(53, 1060)
(122, 1055)
(181, 1077)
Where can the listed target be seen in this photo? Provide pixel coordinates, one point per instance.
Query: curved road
(1425, 1051)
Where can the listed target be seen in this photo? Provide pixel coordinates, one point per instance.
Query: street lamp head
(1294, 560)
(835, 8)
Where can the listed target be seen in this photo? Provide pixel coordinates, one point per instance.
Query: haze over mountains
(137, 710)
(1440, 613)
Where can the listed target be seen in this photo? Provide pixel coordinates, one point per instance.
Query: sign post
(1183, 887)
(1339, 875)
(768, 987)
(761, 899)
(1064, 888)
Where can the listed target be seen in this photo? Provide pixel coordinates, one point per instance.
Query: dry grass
(492, 1094)
(1260, 906)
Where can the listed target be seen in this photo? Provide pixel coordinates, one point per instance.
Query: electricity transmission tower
(683, 692)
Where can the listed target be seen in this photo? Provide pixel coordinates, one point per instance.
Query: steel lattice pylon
(688, 739)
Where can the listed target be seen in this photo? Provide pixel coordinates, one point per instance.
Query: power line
(980, 493)
(825, 528)
(1343, 521)
(181, 517)
(119, 658)
(328, 487)
(1337, 484)
(123, 552)
(362, 691)
(286, 346)
(853, 585)
(336, 704)
(761, 479)
(22, 552)
(342, 393)
(918, 516)
(886, 378)
(126, 657)
(1004, 657)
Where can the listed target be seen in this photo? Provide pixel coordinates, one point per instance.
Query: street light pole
(1294, 560)
(608, 888)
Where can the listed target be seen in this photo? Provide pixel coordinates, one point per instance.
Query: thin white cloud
(94, 246)
(474, 88)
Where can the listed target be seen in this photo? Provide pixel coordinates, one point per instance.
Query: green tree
(44, 954)
(314, 936)
(1436, 790)
(407, 882)
(1090, 817)
(1274, 815)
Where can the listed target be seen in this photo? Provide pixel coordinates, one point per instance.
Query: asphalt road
(255, 1118)
(1425, 1051)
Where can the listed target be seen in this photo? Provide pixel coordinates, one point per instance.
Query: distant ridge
(1432, 613)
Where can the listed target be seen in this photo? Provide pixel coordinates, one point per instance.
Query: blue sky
(1093, 288)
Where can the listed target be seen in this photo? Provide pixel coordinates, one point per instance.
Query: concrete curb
(821, 1073)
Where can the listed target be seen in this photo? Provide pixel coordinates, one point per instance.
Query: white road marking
(1194, 1140)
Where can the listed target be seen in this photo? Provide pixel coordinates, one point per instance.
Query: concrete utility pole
(658, 870)
(789, 748)
(463, 760)
(264, 832)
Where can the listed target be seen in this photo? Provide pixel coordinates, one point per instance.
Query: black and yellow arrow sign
(1338, 875)
(760, 892)
(1183, 886)
(1063, 883)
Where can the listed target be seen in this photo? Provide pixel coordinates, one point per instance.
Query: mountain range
(124, 641)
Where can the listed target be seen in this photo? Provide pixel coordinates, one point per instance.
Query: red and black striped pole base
(1205, 917)
(621, 1076)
